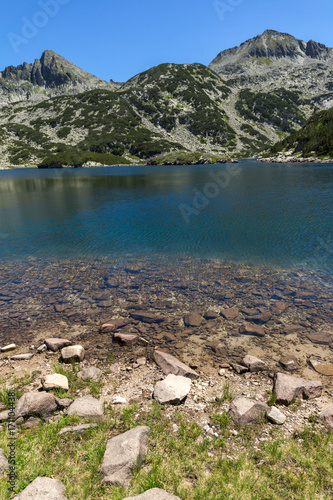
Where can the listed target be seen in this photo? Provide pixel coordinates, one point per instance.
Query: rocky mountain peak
(270, 46)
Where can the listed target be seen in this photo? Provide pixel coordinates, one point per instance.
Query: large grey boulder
(4, 464)
(254, 364)
(122, 453)
(170, 364)
(154, 494)
(36, 403)
(87, 407)
(245, 411)
(55, 344)
(90, 373)
(43, 488)
(173, 389)
(287, 388)
(327, 415)
(72, 353)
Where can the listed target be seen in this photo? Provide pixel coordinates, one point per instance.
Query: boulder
(192, 319)
(239, 368)
(122, 453)
(170, 364)
(55, 344)
(55, 381)
(261, 318)
(147, 317)
(125, 339)
(72, 353)
(114, 324)
(43, 488)
(42, 404)
(289, 363)
(211, 314)
(78, 429)
(254, 364)
(276, 416)
(279, 307)
(90, 373)
(252, 330)
(154, 494)
(4, 464)
(322, 367)
(327, 416)
(287, 388)
(230, 313)
(245, 411)
(87, 407)
(322, 338)
(173, 389)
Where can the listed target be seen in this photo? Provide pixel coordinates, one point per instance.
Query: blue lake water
(276, 215)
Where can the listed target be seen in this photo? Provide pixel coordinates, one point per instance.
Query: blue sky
(118, 39)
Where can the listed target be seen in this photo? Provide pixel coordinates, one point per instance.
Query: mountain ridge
(243, 106)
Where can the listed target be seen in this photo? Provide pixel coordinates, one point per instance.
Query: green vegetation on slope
(314, 139)
(279, 109)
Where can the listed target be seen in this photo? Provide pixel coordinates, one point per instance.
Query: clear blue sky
(118, 39)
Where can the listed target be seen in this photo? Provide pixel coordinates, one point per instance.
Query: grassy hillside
(314, 139)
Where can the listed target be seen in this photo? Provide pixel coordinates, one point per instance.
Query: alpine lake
(79, 247)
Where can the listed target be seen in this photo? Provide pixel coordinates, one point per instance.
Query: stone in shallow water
(289, 363)
(170, 364)
(252, 330)
(254, 364)
(115, 324)
(230, 313)
(125, 339)
(192, 319)
(147, 317)
(55, 344)
(321, 367)
(323, 338)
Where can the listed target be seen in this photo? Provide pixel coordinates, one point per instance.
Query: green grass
(185, 463)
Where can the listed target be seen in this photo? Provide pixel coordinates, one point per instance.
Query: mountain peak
(270, 46)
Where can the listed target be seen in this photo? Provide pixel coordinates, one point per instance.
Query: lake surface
(276, 215)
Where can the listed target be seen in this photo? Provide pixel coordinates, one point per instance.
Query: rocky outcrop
(287, 388)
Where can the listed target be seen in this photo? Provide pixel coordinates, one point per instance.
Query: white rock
(118, 400)
(276, 416)
(8, 347)
(173, 389)
(55, 381)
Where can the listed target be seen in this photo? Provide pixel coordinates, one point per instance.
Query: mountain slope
(314, 139)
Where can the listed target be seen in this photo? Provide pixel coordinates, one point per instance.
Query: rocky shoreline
(293, 159)
(191, 335)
